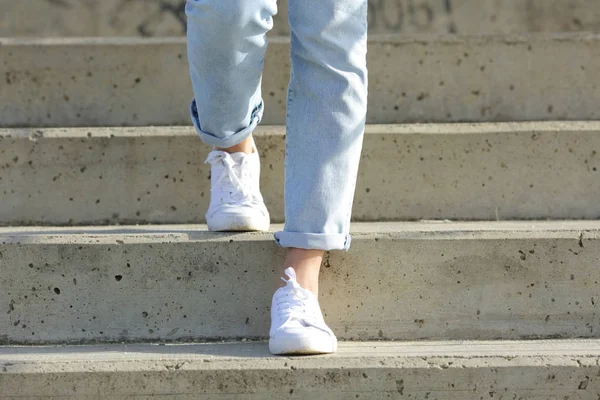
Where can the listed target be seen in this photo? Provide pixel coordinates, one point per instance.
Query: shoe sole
(238, 224)
(301, 346)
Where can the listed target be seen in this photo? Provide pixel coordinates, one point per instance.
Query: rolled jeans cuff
(231, 140)
(313, 241)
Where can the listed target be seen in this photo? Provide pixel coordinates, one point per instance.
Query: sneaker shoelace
(293, 304)
(240, 190)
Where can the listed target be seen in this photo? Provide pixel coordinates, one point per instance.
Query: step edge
(143, 132)
(255, 355)
(419, 38)
(426, 230)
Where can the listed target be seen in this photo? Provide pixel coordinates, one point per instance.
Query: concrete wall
(167, 17)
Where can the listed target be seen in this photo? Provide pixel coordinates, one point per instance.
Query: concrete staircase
(474, 267)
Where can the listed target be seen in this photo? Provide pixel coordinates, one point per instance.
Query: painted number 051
(395, 15)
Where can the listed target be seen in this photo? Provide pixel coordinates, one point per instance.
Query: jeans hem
(313, 241)
(232, 140)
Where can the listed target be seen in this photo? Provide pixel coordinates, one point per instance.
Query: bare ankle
(245, 146)
(306, 264)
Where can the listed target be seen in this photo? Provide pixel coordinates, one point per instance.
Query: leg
(226, 49)
(327, 101)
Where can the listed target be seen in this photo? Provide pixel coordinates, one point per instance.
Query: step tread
(255, 355)
(483, 128)
(445, 371)
(507, 38)
(192, 232)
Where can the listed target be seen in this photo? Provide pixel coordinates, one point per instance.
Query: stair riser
(87, 82)
(519, 377)
(157, 175)
(191, 285)
(166, 18)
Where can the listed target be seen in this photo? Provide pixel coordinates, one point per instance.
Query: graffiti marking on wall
(413, 15)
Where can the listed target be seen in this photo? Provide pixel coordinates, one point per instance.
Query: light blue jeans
(326, 102)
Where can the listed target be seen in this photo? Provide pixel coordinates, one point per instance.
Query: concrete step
(399, 281)
(167, 17)
(527, 370)
(78, 176)
(115, 82)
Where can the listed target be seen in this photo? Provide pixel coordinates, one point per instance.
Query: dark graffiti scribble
(60, 3)
(383, 15)
(177, 10)
(155, 13)
(448, 6)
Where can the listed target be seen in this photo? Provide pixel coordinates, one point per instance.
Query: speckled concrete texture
(548, 370)
(503, 171)
(402, 281)
(167, 17)
(129, 81)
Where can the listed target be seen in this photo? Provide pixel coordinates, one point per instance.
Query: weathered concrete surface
(167, 17)
(398, 281)
(79, 176)
(89, 82)
(548, 370)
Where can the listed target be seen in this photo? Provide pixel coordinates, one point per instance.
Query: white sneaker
(235, 200)
(297, 325)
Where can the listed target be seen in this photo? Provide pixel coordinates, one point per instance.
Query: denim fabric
(326, 103)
